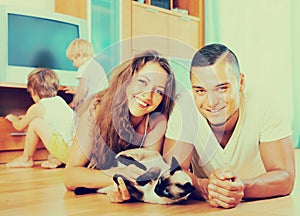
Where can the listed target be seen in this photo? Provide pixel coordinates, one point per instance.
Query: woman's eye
(158, 91)
(143, 82)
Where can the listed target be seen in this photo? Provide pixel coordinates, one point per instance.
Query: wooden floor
(36, 191)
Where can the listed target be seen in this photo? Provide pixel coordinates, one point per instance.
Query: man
(240, 148)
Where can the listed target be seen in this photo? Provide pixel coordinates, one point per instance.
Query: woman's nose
(147, 94)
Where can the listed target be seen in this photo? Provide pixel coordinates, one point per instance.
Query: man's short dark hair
(209, 54)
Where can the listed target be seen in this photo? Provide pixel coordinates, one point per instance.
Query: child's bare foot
(51, 163)
(20, 162)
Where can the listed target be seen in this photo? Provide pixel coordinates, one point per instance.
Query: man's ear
(242, 82)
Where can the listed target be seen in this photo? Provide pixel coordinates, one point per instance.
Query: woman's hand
(225, 189)
(118, 193)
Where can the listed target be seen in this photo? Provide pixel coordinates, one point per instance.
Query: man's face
(216, 91)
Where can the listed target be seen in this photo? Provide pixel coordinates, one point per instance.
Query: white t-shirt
(94, 73)
(259, 121)
(60, 116)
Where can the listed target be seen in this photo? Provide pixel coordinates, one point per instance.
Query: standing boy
(90, 75)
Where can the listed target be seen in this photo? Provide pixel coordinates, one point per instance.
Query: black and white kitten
(172, 186)
(157, 184)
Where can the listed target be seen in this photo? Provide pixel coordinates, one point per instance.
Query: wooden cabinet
(172, 33)
(12, 144)
(183, 36)
(77, 8)
(149, 27)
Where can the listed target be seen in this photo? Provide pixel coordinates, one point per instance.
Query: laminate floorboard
(36, 191)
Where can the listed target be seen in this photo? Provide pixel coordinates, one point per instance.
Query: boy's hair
(43, 82)
(80, 47)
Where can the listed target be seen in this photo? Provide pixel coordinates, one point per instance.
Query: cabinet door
(72, 8)
(149, 29)
(184, 36)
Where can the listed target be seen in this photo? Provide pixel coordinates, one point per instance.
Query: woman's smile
(140, 102)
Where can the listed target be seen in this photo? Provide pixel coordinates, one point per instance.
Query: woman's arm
(77, 175)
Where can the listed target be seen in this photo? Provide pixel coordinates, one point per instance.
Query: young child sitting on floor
(49, 119)
(90, 75)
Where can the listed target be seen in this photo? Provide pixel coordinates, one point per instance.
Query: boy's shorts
(58, 147)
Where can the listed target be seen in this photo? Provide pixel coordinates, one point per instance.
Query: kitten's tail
(83, 190)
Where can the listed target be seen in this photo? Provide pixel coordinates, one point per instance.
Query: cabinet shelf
(191, 7)
(156, 9)
(170, 32)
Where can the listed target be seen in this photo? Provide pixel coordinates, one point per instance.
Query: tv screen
(39, 42)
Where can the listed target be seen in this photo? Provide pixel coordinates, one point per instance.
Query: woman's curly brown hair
(114, 131)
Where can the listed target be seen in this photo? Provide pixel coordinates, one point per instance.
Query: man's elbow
(288, 184)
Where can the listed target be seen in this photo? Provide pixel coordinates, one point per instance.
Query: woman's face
(146, 89)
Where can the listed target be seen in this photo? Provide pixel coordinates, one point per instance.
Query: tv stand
(15, 99)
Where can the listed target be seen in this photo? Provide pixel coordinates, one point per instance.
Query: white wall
(47, 5)
(261, 33)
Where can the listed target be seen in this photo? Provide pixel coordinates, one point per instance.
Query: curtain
(105, 32)
(296, 68)
(263, 34)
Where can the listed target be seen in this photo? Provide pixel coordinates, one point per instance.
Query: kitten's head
(175, 184)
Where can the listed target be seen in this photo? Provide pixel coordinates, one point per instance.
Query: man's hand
(225, 189)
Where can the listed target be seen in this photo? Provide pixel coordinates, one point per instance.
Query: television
(31, 39)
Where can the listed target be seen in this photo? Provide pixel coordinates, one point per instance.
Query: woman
(131, 113)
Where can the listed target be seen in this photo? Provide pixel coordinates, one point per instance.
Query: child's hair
(80, 47)
(43, 82)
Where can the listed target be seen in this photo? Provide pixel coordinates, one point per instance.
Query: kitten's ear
(175, 166)
(188, 188)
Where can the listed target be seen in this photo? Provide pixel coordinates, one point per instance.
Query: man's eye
(222, 88)
(200, 91)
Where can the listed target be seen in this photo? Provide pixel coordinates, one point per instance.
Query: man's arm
(183, 152)
(226, 190)
(279, 161)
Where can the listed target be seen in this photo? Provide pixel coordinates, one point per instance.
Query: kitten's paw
(116, 176)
